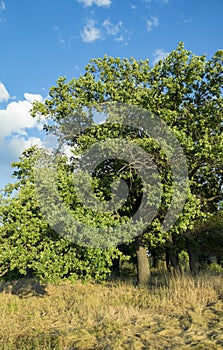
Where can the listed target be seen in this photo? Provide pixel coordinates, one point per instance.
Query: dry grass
(173, 313)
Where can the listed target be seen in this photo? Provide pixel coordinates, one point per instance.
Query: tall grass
(172, 313)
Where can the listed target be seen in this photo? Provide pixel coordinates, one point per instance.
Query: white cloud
(64, 40)
(159, 54)
(117, 31)
(120, 38)
(4, 95)
(185, 20)
(112, 29)
(99, 3)
(15, 124)
(90, 32)
(163, 2)
(93, 31)
(2, 5)
(133, 7)
(152, 23)
(32, 97)
(16, 117)
(17, 144)
(14, 148)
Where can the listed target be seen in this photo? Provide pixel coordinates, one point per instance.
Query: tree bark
(172, 260)
(155, 258)
(117, 266)
(193, 257)
(143, 267)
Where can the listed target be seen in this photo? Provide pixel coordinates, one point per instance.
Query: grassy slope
(176, 313)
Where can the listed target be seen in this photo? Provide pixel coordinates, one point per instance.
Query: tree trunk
(193, 257)
(172, 261)
(155, 260)
(117, 266)
(143, 268)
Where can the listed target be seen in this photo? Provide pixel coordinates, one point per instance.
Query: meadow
(174, 312)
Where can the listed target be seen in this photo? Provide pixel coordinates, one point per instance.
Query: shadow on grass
(48, 341)
(24, 287)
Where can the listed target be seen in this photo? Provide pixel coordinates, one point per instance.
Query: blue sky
(42, 40)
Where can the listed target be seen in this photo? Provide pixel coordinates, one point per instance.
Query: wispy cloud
(185, 20)
(2, 5)
(99, 3)
(90, 32)
(133, 7)
(60, 37)
(4, 95)
(159, 54)
(117, 31)
(163, 2)
(112, 29)
(65, 41)
(152, 23)
(121, 39)
(93, 31)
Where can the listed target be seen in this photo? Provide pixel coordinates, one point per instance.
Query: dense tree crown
(185, 91)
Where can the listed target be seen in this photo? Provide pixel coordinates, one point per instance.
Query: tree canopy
(185, 92)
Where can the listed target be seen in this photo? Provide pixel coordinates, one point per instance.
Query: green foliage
(215, 267)
(208, 236)
(28, 243)
(185, 91)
